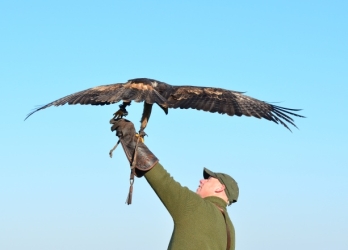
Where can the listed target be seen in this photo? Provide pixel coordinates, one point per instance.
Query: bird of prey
(151, 91)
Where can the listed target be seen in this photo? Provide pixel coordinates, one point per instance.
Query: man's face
(208, 187)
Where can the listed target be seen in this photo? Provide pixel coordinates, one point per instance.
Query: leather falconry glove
(139, 156)
(142, 159)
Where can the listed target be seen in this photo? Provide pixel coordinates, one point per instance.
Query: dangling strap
(112, 150)
(227, 229)
(132, 174)
(131, 181)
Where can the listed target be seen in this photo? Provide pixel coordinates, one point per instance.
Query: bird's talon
(142, 134)
(120, 113)
(141, 137)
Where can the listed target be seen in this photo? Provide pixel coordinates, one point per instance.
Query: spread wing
(137, 90)
(228, 102)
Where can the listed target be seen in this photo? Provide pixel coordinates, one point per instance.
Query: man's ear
(220, 189)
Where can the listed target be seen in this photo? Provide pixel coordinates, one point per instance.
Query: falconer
(200, 218)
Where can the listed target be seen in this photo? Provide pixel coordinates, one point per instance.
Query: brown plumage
(167, 96)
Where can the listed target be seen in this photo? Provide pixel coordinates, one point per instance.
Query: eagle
(150, 91)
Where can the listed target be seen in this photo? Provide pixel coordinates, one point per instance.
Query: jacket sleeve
(179, 201)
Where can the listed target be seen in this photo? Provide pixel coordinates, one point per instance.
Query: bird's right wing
(108, 94)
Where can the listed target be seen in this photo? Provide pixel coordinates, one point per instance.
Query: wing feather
(226, 105)
(208, 104)
(215, 106)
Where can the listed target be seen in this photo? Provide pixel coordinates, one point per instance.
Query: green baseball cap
(231, 186)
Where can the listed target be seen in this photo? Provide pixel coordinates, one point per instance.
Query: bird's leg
(145, 118)
(122, 111)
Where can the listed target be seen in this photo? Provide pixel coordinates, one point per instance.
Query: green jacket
(198, 223)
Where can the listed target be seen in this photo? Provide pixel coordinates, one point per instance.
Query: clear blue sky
(60, 190)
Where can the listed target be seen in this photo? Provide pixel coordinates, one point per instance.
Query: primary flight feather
(151, 91)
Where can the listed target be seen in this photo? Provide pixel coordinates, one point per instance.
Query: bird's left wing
(228, 102)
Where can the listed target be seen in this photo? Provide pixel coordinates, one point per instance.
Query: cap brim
(207, 173)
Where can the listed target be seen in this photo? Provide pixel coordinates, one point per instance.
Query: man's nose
(202, 181)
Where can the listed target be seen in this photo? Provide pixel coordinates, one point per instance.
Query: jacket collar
(217, 201)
